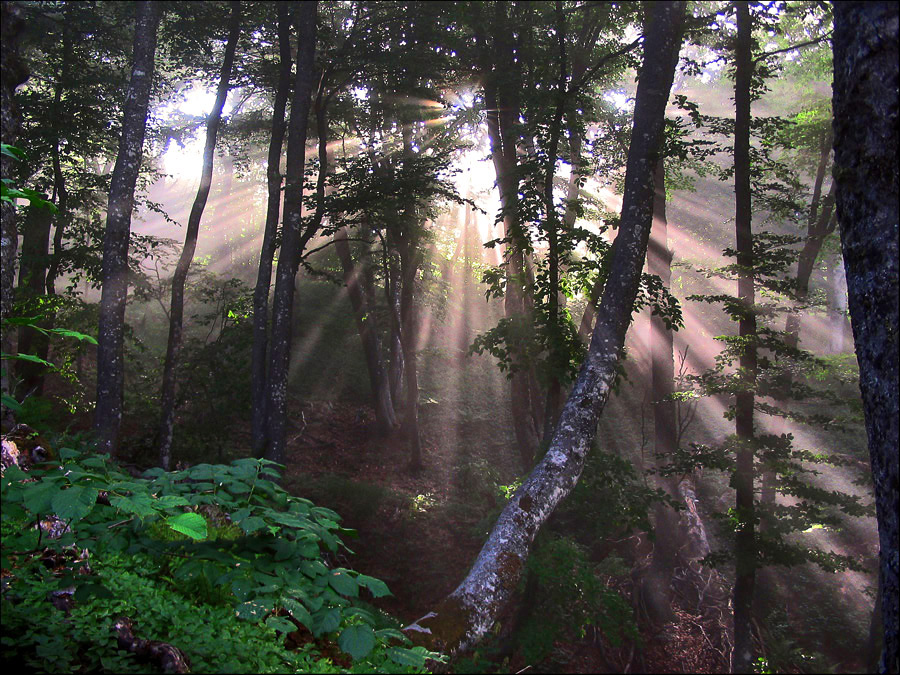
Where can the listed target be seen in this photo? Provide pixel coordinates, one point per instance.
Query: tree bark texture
(176, 311)
(114, 274)
(865, 142)
(745, 537)
(469, 612)
(258, 431)
(293, 239)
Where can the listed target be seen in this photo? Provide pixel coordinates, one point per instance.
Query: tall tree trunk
(114, 274)
(836, 303)
(368, 335)
(558, 356)
(259, 431)
(665, 425)
(13, 72)
(501, 97)
(470, 611)
(745, 537)
(61, 220)
(409, 265)
(32, 278)
(293, 239)
(865, 144)
(176, 312)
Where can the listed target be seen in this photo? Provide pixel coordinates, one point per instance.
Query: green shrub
(198, 558)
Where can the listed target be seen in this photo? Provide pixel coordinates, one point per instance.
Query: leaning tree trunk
(176, 312)
(258, 432)
(114, 274)
(469, 612)
(865, 145)
(745, 537)
(292, 238)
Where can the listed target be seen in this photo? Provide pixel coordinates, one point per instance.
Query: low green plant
(224, 539)
(569, 597)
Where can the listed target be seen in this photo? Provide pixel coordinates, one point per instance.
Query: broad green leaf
(405, 657)
(343, 583)
(253, 610)
(376, 587)
(281, 624)
(327, 621)
(191, 524)
(141, 505)
(37, 498)
(75, 502)
(252, 524)
(357, 641)
(73, 334)
(298, 611)
(168, 501)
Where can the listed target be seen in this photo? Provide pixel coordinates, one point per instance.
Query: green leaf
(298, 611)
(191, 524)
(357, 641)
(281, 624)
(327, 621)
(405, 657)
(376, 587)
(39, 495)
(343, 583)
(11, 403)
(140, 505)
(252, 524)
(168, 501)
(75, 502)
(64, 332)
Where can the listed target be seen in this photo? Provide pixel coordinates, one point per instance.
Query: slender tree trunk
(368, 335)
(293, 239)
(13, 72)
(409, 264)
(176, 312)
(745, 537)
(114, 275)
(59, 181)
(467, 614)
(838, 326)
(865, 143)
(259, 432)
(665, 425)
(32, 279)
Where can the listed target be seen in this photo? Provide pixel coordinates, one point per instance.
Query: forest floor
(420, 532)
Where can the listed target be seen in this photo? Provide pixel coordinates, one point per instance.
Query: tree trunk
(368, 335)
(14, 73)
(468, 614)
(293, 239)
(745, 537)
(114, 274)
(838, 326)
(865, 142)
(409, 259)
(32, 279)
(176, 313)
(662, 373)
(259, 432)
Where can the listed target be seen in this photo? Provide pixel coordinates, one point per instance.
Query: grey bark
(176, 312)
(293, 239)
(745, 537)
(32, 277)
(258, 431)
(865, 142)
(114, 274)
(469, 612)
